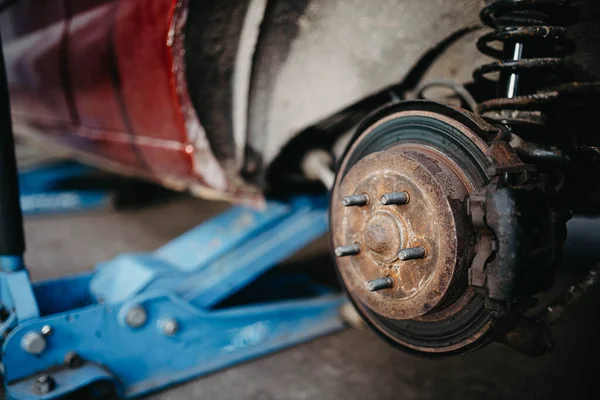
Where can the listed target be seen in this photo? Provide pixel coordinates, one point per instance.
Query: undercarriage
(447, 221)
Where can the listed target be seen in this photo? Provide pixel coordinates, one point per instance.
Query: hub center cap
(383, 236)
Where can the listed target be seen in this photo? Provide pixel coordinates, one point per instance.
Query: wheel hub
(400, 229)
(427, 221)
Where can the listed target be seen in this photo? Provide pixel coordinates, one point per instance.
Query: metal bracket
(492, 210)
(146, 321)
(494, 216)
(517, 229)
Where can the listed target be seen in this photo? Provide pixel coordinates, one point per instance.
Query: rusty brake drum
(400, 227)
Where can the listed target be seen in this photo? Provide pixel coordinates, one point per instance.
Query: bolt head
(73, 360)
(47, 330)
(136, 317)
(33, 343)
(44, 384)
(168, 326)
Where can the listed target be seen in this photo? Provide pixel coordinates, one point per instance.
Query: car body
(203, 95)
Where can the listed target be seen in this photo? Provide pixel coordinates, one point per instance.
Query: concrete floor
(352, 364)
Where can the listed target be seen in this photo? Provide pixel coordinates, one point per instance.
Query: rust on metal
(532, 335)
(383, 235)
(438, 316)
(428, 220)
(433, 289)
(571, 296)
(503, 155)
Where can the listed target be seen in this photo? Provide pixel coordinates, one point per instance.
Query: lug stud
(380, 284)
(412, 253)
(355, 200)
(348, 250)
(395, 198)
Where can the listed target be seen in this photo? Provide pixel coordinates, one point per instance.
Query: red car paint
(108, 78)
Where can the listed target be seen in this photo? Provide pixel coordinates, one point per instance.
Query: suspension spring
(529, 40)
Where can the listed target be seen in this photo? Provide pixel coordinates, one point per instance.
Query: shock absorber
(529, 40)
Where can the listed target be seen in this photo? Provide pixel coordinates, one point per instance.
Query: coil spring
(524, 24)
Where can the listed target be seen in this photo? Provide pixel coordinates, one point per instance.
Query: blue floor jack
(142, 322)
(44, 189)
